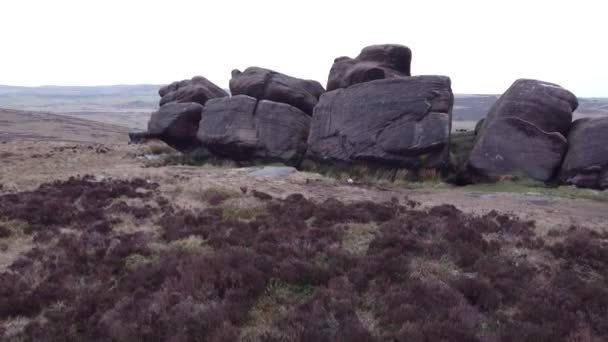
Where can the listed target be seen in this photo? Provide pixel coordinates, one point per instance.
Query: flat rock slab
(274, 171)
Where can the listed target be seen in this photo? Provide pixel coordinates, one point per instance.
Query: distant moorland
(130, 105)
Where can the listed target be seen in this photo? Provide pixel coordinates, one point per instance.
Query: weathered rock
(524, 131)
(243, 128)
(373, 63)
(198, 89)
(478, 125)
(586, 162)
(176, 124)
(402, 121)
(264, 84)
(512, 145)
(138, 137)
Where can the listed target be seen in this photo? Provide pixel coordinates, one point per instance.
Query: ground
(101, 240)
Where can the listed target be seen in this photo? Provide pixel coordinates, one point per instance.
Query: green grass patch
(191, 244)
(461, 145)
(358, 237)
(135, 260)
(271, 308)
(535, 187)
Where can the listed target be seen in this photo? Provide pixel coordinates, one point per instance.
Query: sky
(482, 45)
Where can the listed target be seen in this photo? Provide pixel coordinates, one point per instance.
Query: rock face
(264, 84)
(373, 63)
(176, 124)
(401, 121)
(524, 132)
(243, 128)
(198, 89)
(586, 162)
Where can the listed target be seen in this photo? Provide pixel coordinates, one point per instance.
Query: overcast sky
(482, 45)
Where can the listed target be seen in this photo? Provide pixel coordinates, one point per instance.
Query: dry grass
(191, 244)
(234, 212)
(216, 195)
(358, 236)
(270, 310)
(15, 244)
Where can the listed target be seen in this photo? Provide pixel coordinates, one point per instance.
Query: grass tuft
(217, 195)
(234, 212)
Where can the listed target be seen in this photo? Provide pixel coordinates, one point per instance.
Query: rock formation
(524, 132)
(176, 124)
(373, 63)
(401, 122)
(198, 89)
(244, 128)
(586, 162)
(264, 84)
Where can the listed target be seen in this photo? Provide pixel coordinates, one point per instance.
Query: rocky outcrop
(586, 162)
(373, 63)
(198, 89)
(264, 84)
(402, 122)
(243, 128)
(176, 124)
(524, 132)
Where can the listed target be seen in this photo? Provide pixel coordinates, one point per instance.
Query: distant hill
(468, 107)
(131, 105)
(31, 126)
(125, 105)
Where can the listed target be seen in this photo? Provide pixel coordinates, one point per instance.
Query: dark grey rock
(265, 84)
(401, 121)
(242, 128)
(176, 124)
(198, 89)
(478, 126)
(512, 145)
(138, 137)
(373, 63)
(524, 131)
(586, 162)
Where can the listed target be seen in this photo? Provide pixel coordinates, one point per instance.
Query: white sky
(482, 45)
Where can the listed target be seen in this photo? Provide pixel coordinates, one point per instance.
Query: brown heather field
(104, 241)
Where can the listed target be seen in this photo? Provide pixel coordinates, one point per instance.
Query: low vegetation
(295, 270)
(526, 186)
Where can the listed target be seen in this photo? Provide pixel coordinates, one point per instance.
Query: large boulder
(402, 122)
(524, 132)
(373, 63)
(586, 162)
(176, 124)
(243, 128)
(198, 89)
(264, 84)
